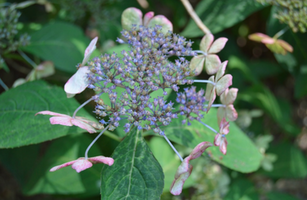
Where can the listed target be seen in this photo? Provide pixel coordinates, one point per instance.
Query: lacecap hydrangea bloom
(147, 68)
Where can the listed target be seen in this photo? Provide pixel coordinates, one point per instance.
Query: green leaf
(242, 190)
(32, 172)
(242, 154)
(135, 174)
(20, 126)
(62, 43)
(290, 163)
(279, 195)
(214, 14)
(168, 160)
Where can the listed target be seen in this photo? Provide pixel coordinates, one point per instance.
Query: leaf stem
(195, 17)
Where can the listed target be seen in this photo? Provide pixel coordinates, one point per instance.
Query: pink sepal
(223, 84)
(148, 16)
(224, 127)
(221, 70)
(206, 42)
(101, 159)
(61, 166)
(260, 37)
(229, 96)
(199, 149)
(210, 94)
(162, 21)
(67, 120)
(78, 82)
(182, 174)
(218, 45)
(82, 164)
(231, 113)
(212, 64)
(131, 16)
(220, 140)
(197, 64)
(84, 125)
(89, 50)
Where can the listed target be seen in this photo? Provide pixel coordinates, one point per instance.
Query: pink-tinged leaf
(148, 16)
(83, 125)
(131, 16)
(218, 45)
(206, 42)
(162, 21)
(81, 164)
(231, 113)
(182, 174)
(102, 159)
(223, 84)
(199, 149)
(212, 64)
(221, 70)
(197, 64)
(78, 82)
(89, 50)
(260, 37)
(65, 121)
(285, 45)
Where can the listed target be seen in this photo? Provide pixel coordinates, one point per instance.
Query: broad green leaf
(290, 163)
(242, 154)
(218, 15)
(242, 190)
(62, 43)
(279, 196)
(168, 160)
(135, 174)
(32, 172)
(20, 126)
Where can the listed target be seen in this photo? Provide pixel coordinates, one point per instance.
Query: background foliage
(266, 156)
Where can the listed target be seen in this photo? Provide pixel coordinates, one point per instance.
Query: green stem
(3, 85)
(281, 32)
(112, 136)
(33, 64)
